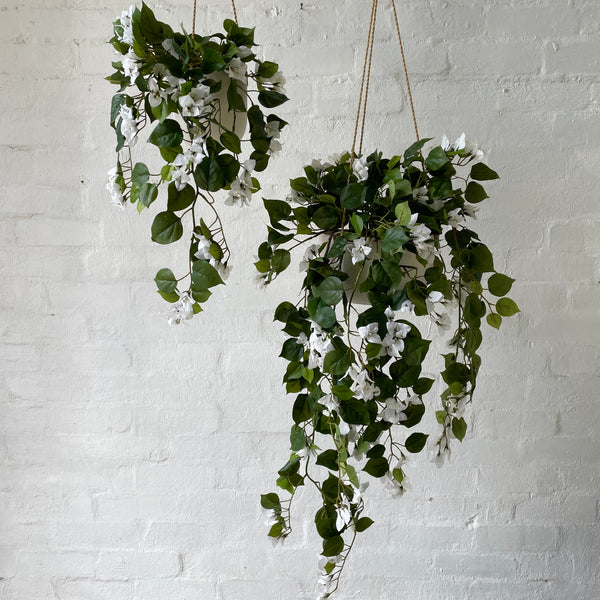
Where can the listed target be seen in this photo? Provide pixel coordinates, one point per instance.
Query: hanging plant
(392, 233)
(194, 95)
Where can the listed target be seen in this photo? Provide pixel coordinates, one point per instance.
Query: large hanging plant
(194, 93)
(394, 231)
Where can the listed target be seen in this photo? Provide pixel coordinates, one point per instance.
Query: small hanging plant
(193, 94)
(394, 231)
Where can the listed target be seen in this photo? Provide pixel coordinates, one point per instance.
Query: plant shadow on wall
(390, 233)
(198, 93)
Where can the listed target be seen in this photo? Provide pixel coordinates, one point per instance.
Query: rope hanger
(235, 17)
(366, 77)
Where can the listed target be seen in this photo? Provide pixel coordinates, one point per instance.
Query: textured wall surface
(132, 454)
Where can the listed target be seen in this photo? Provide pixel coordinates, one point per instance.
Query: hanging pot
(230, 120)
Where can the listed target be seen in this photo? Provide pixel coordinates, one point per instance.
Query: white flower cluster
(194, 103)
(318, 344)
(127, 24)
(395, 487)
(393, 342)
(181, 311)
(273, 132)
(186, 162)
(241, 188)
(362, 385)
(236, 69)
(115, 189)
(463, 144)
(421, 238)
(129, 126)
(436, 307)
(360, 169)
(311, 253)
(359, 250)
(203, 253)
(274, 83)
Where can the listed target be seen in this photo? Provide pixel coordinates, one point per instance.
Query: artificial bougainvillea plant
(192, 94)
(395, 231)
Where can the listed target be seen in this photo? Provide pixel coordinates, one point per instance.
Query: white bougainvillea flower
(360, 169)
(394, 411)
(311, 253)
(236, 69)
(370, 333)
(343, 515)
(470, 210)
(273, 132)
(131, 64)
(244, 52)
(359, 250)
(193, 104)
(173, 86)
(270, 516)
(180, 177)
(455, 217)
(241, 188)
(318, 165)
(459, 144)
(115, 189)
(330, 402)
(393, 342)
(275, 83)
(362, 386)
(407, 306)
(432, 300)
(129, 127)
(203, 252)
(155, 94)
(384, 191)
(474, 150)
(181, 311)
(127, 25)
(169, 47)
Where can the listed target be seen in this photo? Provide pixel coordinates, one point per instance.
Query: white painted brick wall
(132, 455)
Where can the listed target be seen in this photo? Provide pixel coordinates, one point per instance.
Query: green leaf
(494, 320)
(333, 546)
(280, 260)
(394, 239)
(436, 159)
(284, 312)
(422, 386)
(414, 413)
(270, 501)
(459, 428)
(302, 410)
(330, 290)
(167, 134)
(212, 61)
(507, 307)
(414, 149)
(267, 69)
(500, 284)
(353, 196)
(482, 258)
(209, 174)
(166, 228)
(363, 523)
(277, 209)
(297, 438)
(354, 412)
(139, 174)
(271, 99)
(292, 350)
(180, 200)
(322, 314)
(148, 194)
(231, 141)
(336, 362)
(357, 223)
(234, 98)
(337, 248)
(326, 217)
(377, 467)
(329, 459)
(403, 214)
(475, 193)
(440, 416)
(416, 442)
(204, 275)
(165, 281)
(482, 172)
